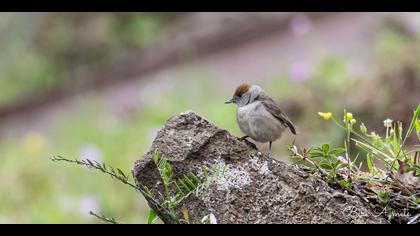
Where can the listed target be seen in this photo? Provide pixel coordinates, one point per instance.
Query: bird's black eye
(239, 95)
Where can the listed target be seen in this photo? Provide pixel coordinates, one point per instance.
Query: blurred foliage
(41, 51)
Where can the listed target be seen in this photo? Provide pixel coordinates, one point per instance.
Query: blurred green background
(100, 85)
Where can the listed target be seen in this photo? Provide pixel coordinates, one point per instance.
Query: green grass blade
(369, 163)
(372, 149)
(395, 143)
(152, 217)
(413, 121)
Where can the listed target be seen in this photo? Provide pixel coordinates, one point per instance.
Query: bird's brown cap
(243, 88)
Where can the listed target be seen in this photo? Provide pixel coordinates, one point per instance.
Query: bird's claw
(243, 138)
(247, 142)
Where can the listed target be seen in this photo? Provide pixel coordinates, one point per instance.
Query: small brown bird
(258, 115)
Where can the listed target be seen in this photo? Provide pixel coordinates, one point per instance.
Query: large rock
(254, 187)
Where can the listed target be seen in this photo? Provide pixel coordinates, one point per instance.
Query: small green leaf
(325, 148)
(411, 168)
(326, 166)
(337, 162)
(383, 197)
(342, 165)
(178, 188)
(415, 200)
(152, 217)
(188, 180)
(90, 162)
(156, 157)
(205, 172)
(343, 183)
(315, 155)
(224, 170)
(121, 173)
(337, 151)
(331, 177)
(196, 179)
(184, 185)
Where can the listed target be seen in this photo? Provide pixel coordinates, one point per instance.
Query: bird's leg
(243, 138)
(269, 148)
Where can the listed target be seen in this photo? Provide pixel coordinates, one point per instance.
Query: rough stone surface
(253, 188)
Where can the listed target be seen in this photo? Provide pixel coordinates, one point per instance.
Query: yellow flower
(325, 115)
(33, 144)
(349, 116)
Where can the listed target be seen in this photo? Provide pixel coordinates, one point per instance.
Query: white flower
(388, 123)
(213, 219)
(210, 219)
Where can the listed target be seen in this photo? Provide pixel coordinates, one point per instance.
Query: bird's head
(245, 94)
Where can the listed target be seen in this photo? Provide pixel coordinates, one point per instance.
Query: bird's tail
(291, 126)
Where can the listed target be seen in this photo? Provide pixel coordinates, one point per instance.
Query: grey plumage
(272, 107)
(258, 115)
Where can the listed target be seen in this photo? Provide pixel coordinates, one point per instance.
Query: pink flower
(343, 159)
(299, 72)
(412, 24)
(343, 170)
(91, 152)
(300, 24)
(88, 204)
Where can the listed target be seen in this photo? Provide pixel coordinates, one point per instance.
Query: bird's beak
(230, 101)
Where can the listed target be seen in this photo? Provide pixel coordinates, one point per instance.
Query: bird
(258, 116)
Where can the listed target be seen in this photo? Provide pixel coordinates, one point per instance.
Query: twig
(118, 175)
(104, 218)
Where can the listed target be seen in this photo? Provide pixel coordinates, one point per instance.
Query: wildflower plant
(393, 175)
(175, 190)
(183, 187)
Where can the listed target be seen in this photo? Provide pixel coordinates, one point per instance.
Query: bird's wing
(274, 110)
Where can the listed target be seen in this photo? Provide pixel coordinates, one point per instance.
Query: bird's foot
(247, 142)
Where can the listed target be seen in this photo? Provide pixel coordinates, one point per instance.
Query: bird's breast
(256, 122)
(244, 115)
